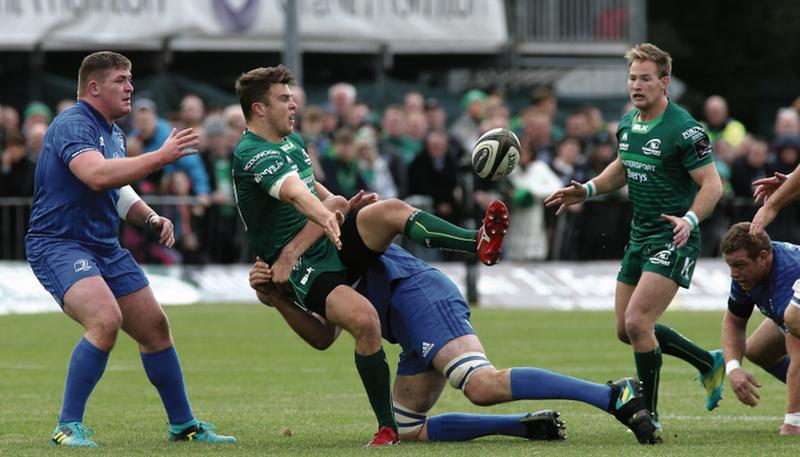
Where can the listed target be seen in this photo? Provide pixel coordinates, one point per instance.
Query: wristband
(591, 189)
(732, 365)
(691, 218)
(152, 219)
(792, 419)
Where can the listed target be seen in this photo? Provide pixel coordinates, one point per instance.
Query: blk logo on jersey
(652, 148)
(81, 265)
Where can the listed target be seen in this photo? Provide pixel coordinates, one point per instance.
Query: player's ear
(665, 81)
(258, 108)
(93, 88)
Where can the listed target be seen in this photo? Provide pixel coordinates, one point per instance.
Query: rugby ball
(495, 154)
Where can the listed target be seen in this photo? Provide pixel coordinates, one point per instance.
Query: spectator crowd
(411, 150)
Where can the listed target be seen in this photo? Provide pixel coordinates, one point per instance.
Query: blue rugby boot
(714, 380)
(197, 431)
(72, 434)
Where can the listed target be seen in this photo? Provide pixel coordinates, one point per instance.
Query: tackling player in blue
(82, 190)
(423, 311)
(765, 275)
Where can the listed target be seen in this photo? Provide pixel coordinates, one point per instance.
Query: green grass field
(250, 376)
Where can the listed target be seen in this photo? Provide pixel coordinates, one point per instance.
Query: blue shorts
(427, 312)
(59, 264)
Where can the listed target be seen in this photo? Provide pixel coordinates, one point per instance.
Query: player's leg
(766, 347)
(348, 309)
(413, 395)
(69, 272)
(379, 223)
(144, 320)
(791, 423)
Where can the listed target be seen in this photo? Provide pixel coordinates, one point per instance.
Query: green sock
(648, 367)
(374, 372)
(677, 345)
(434, 232)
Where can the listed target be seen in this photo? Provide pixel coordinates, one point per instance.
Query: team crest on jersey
(81, 265)
(652, 148)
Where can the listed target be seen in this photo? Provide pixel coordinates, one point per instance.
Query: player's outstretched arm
(743, 384)
(611, 179)
(764, 188)
(100, 174)
(783, 195)
(295, 192)
(315, 330)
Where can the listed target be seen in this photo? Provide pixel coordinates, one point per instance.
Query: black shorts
(355, 256)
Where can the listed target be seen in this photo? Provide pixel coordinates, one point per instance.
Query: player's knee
(622, 335)
(636, 329)
(365, 326)
(482, 388)
(104, 328)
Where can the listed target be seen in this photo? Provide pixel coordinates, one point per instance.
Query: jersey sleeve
(75, 138)
(695, 146)
(738, 303)
(270, 168)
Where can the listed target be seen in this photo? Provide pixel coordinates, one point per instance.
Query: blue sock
(164, 371)
(779, 370)
(86, 365)
(538, 384)
(462, 427)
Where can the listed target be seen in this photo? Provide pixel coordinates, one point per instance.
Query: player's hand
(764, 188)
(166, 231)
(566, 196)
(761, 220)
(260, 275)
(681, 230)
(179, 144)
(362, 199)
(330, 224)
(745, 386)
(282, 268)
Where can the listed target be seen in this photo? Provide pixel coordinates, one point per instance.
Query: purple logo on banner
(233, 20)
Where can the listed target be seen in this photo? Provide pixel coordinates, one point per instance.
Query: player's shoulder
(627, 119)
(680, 118)
(295, 137)
(73, 121)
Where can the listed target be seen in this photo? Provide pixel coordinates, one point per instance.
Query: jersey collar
(101, 120)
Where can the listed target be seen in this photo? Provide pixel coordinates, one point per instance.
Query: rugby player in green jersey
(276, 194)
(666, 160)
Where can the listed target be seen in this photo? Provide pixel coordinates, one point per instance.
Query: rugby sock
(539, 384)
(677, 345)
(462, 427)
(780, 369)
(164, 371)
(428, 230)
(86, 365)
(648, 368)
(375, 375)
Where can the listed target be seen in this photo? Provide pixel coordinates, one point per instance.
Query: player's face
(644, 85)
(114, 92)
(280, 110)
(746, 271)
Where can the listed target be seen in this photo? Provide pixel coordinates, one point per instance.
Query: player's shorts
(660, 258)
(431, 313)
(60, 264)
(315, 276)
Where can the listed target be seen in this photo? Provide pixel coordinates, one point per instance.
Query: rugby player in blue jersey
(423, 311)
(82, 190)
(766, 275)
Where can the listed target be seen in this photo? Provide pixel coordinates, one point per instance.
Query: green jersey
(259, 169)
(658, 156)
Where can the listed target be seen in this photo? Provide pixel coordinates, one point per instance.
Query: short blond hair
(647, 51)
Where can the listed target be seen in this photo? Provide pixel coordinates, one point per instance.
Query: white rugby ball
(495, 154)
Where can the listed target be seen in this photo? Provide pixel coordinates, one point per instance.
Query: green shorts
(659, 258)
(321, 258)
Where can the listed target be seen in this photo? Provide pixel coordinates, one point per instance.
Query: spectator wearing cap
(342, 176)
(36, 112)
(16, 168)
(153, 131)
(719, 124)
(466, 129)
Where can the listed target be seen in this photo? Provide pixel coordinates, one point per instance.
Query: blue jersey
(64, 208)
(775, 293)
